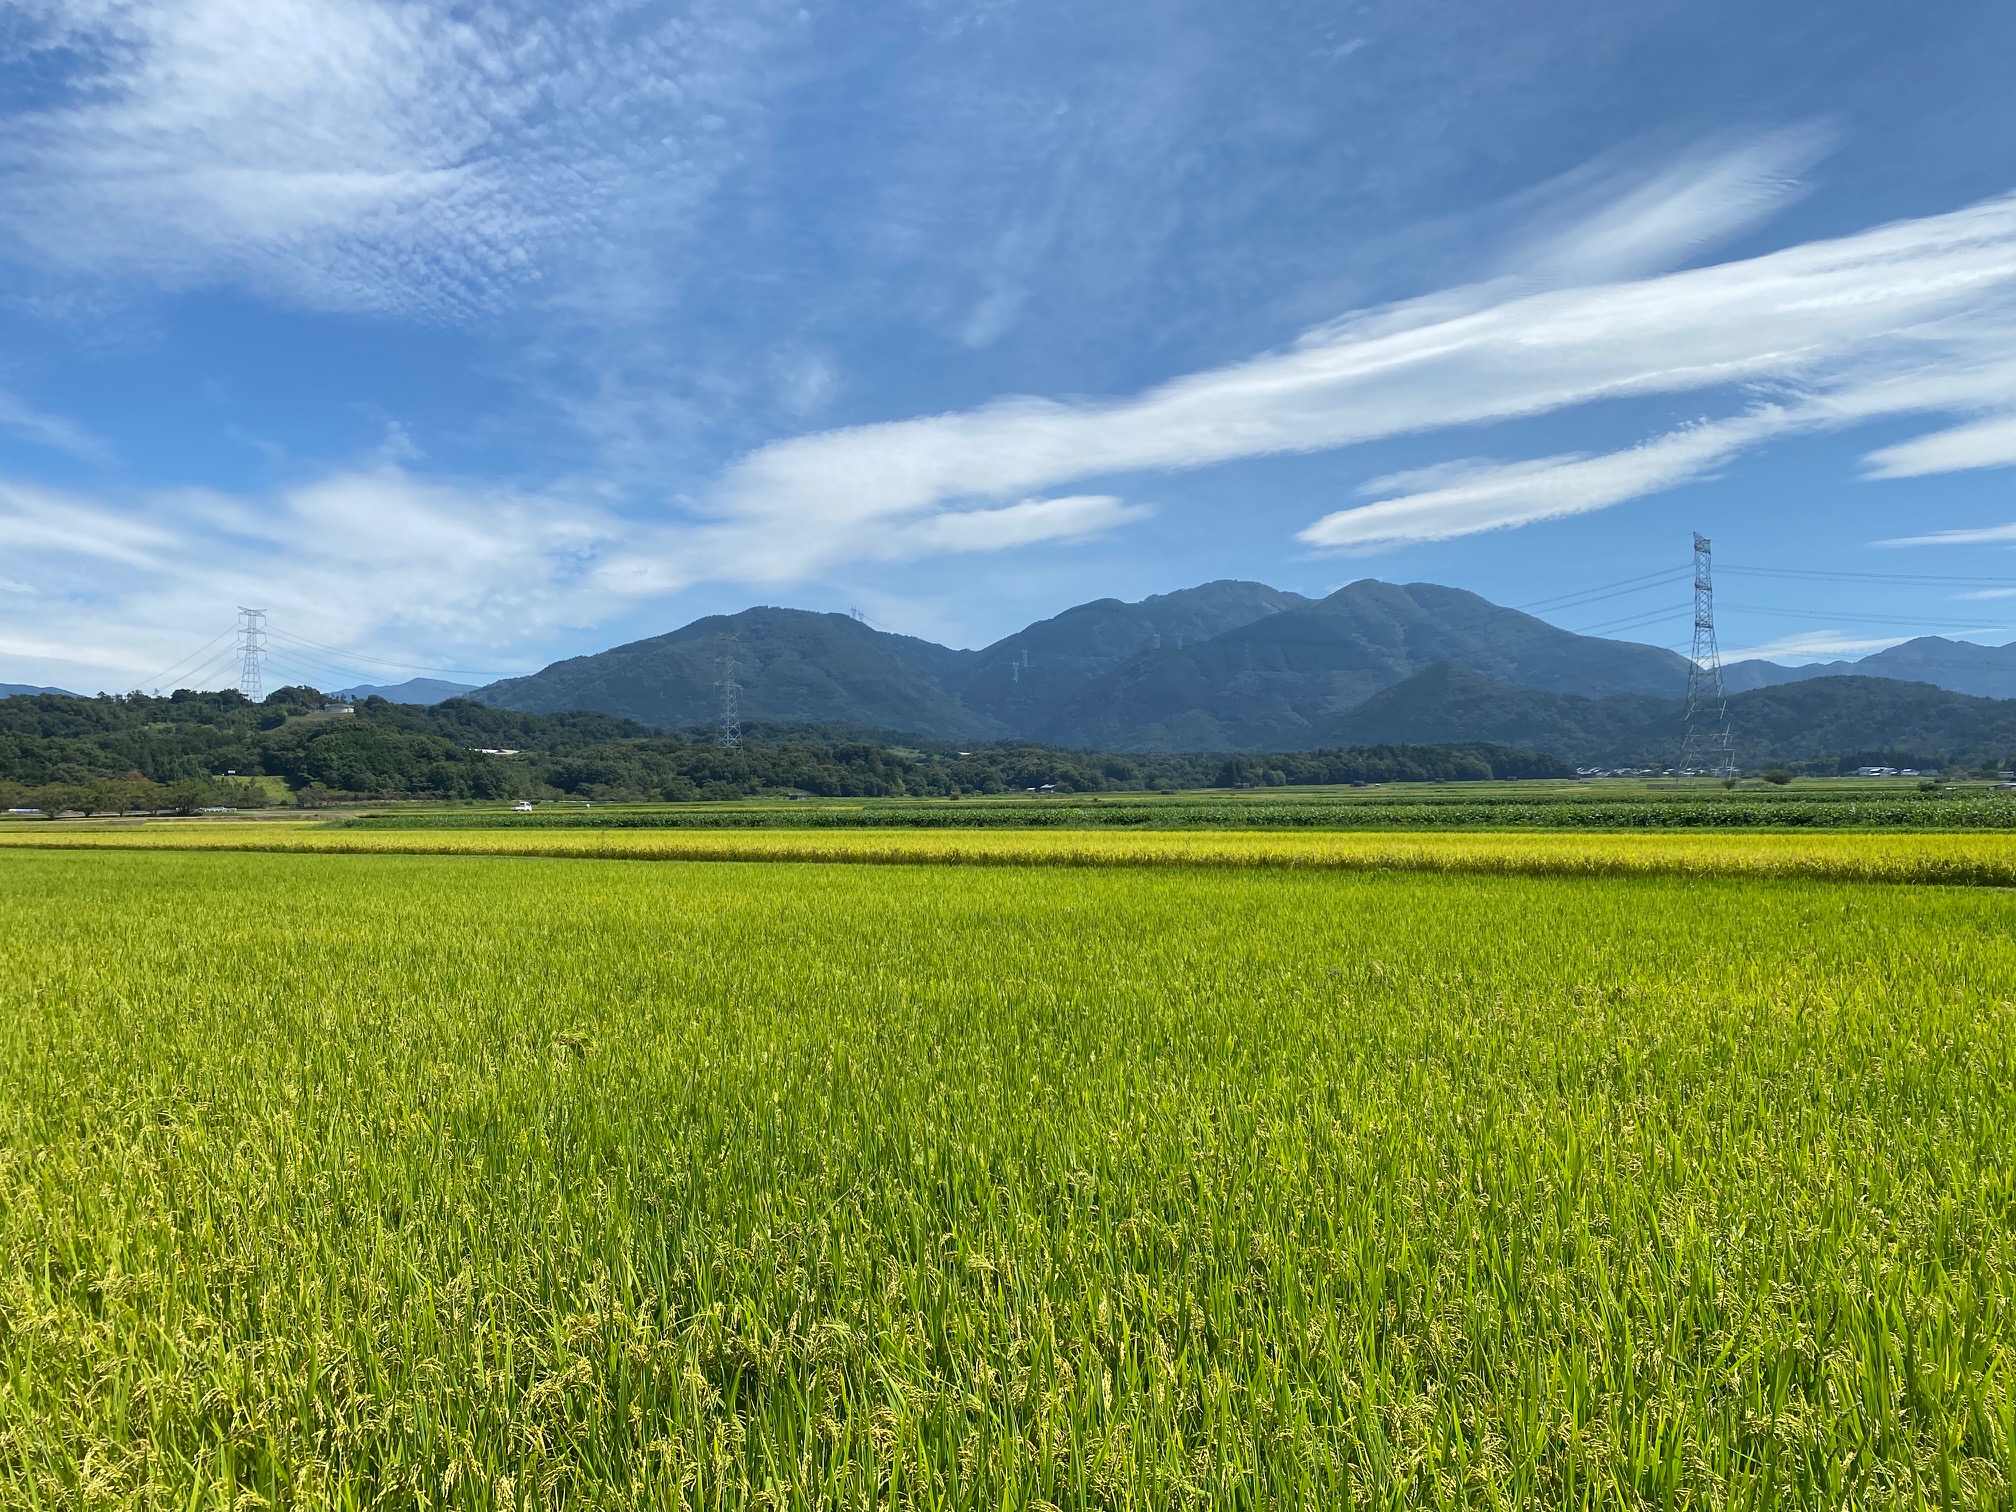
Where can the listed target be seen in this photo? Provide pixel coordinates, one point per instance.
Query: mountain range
(1229, 666)
(415, 690)
(1836, 722)
(1242, 667)
(1957, 666)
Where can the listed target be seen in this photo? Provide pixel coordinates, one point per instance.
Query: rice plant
(487, 1182)
(1979, 859)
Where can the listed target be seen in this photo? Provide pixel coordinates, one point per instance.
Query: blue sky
(468, 336)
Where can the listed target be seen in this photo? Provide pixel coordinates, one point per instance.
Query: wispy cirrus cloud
(1495, 496)
(1601, 224)
(1990, 535)
(1812, 645)
(1984, 443)
(421, 158)
(56, 432)
(1905, 318)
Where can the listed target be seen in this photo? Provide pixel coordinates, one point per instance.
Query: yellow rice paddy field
(1970, 859)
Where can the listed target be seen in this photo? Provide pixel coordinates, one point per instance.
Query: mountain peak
(1228, 665)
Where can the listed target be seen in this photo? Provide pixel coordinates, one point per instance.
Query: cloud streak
(1498, 497)
(52, 431)
(1812, 645)
(1985, 443)
(1991, 535)
(1903, 318)
(425, 159)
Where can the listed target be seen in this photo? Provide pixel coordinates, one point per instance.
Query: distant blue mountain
(415, 690)
(1956, 666)
(23, 690)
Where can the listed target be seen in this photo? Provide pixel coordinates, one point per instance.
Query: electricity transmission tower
(1707, 747)
(731, 695)
(252, 653)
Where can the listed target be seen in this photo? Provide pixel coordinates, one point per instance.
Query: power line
(315, 668)
(1603, 590)
(1596, 598)
(1817, 575)
(1632, 622)
(352, 656)
(1864, 619)
(204, 671)
(173, 667)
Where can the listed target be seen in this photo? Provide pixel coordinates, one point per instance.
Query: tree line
(193, 750)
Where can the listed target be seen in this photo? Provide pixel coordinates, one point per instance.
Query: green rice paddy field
(495, 1180)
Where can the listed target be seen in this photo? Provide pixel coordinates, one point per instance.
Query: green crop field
(493, 1180)
(1607, 805)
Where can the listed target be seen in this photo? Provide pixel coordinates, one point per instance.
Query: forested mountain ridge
(1227, 666)
(1957, 666)
(790, 665)
(415, 690)
(835, 706)
(1823, 725)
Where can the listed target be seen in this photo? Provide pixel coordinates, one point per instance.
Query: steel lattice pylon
(252, 653)
(1707, 747)
(731, 695)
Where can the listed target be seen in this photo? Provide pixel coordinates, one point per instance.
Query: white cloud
(1607, 227)
(363, 559)
(44, 522)
(1813, 645)
(53, 431)
(1984, 443)
(377, 559)
(1987, 593)
(422, 157)
(1496, 496)
(1033, 520)
(1992, 535)
(1903, 318)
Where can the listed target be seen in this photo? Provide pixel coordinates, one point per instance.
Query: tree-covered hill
(199, 749)
(1227, 667)
(1825, 725)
